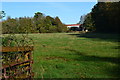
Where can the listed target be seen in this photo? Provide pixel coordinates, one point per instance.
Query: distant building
(76, 27)
(73, 27)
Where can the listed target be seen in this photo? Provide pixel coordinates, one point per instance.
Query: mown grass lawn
(72, 55)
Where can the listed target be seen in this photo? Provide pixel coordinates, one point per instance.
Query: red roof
(73, 24)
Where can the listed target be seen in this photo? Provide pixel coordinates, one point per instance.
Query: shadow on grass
(84, 57)
(115, 71)
(102, 36)
(116, 47)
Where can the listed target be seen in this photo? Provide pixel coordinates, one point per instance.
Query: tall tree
(82, 19)
(89, 23)
(60, 26)
(38, 17)
(106, 16)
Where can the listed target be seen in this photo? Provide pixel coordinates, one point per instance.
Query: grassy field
(73, 55)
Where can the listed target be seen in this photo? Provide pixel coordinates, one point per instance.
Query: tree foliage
(60, 27)
(89, 23)
(2, 14)
(37, 24)
(104, 17)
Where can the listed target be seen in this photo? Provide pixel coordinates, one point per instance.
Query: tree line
(37, 24)
(104, 17)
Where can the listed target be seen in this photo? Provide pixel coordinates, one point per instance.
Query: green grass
(72, 55)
